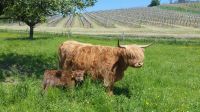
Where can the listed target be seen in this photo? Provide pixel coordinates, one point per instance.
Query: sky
(117, 4)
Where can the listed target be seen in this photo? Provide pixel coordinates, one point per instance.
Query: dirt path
(94, 24)
(62, 23)
(77, 23)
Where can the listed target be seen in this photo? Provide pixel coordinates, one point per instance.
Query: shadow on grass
(25, 65)
(29, 65)
(121, 91)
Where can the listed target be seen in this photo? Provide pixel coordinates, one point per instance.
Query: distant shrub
(154, 3)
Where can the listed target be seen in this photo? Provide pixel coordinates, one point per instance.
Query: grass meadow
(169, 80)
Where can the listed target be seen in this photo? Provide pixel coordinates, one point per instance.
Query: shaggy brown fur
(101, 62)
(62, 78)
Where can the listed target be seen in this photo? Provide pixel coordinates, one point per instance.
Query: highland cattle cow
(59, 78)
(101, 62)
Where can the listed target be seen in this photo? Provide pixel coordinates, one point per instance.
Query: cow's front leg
(109, 84)
(110, 90)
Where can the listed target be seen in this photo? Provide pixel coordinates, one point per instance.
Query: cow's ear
(143, 49)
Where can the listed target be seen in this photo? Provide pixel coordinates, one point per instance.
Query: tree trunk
(31, 32)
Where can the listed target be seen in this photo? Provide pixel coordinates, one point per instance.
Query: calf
(59, 78)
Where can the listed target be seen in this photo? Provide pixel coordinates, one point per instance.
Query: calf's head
(78, 75)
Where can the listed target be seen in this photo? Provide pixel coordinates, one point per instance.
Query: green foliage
(1, 7)
(4, 4)
(154, 3)
(33, 12)
(181, 1)
(169, 80)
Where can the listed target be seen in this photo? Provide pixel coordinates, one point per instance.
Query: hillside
(146, 16)
(187, 7)
(165, 20)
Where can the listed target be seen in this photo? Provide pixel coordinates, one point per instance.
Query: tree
(171, 1)
(4, 4)
(1, 7)
(181, 1)
(33, 12)
(154, 3)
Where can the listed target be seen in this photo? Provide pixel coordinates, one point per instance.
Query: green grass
(169, 81)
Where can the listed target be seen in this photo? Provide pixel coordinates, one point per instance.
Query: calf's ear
(72, 76)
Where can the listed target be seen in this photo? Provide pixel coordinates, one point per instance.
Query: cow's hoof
(110, 93)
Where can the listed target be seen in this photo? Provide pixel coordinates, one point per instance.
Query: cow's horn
(145, 46)
(120, 45)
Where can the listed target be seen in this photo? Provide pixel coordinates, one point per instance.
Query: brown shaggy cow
(62, 78)
(101, 62)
